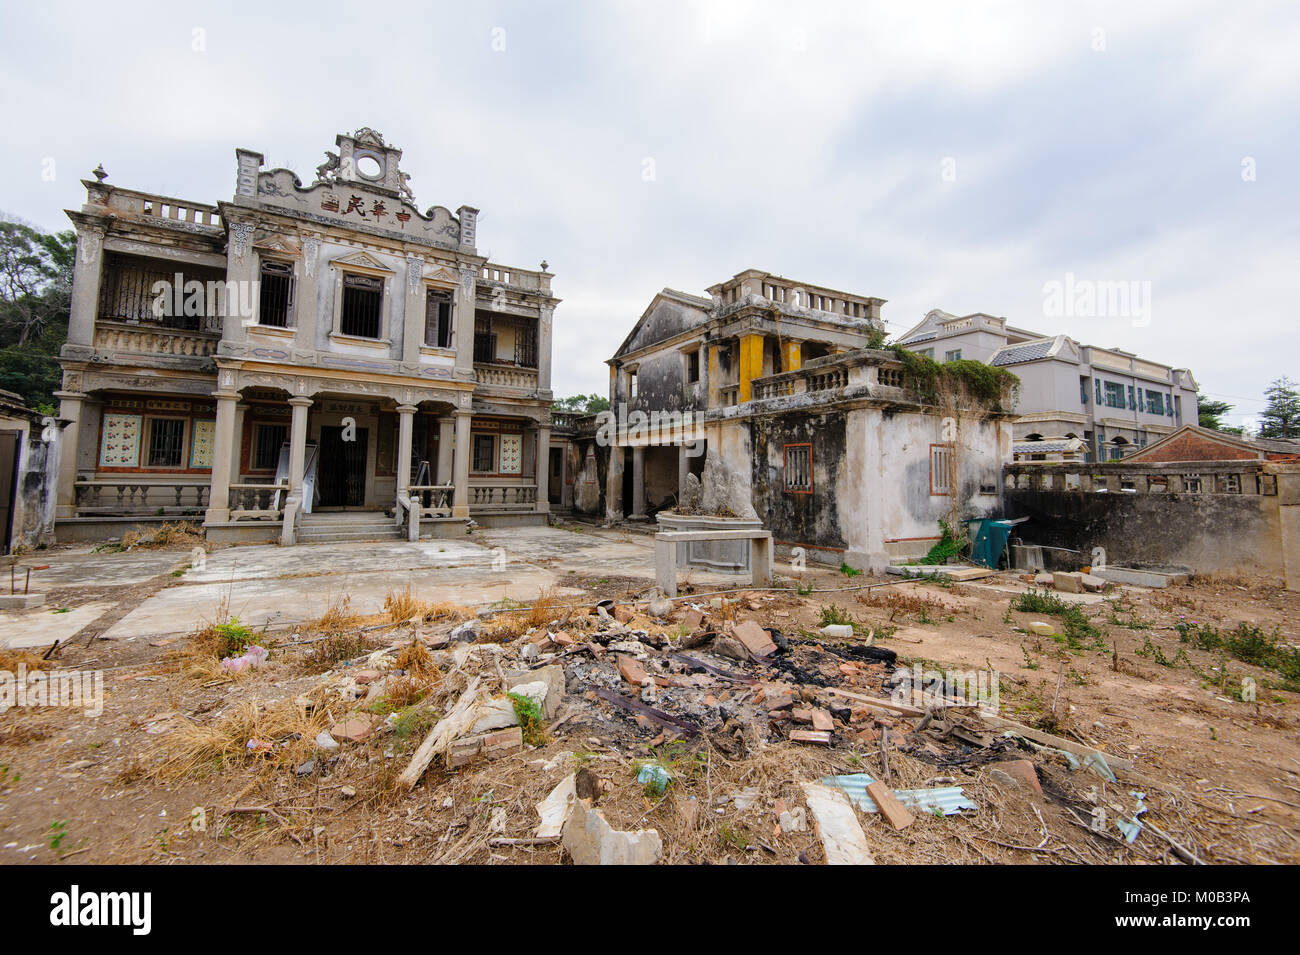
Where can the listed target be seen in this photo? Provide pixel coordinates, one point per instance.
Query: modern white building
(1111, 399)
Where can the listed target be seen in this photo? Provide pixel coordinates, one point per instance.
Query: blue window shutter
(1098, 382)
(1132, 402)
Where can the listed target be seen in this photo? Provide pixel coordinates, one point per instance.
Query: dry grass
(415, 659)
(289, 727)
(900, 602)
(11, 659)
(401, 606)
(338, 617)
(403, 691)
(181, 534)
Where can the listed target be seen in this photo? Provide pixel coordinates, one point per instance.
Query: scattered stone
(305, 769)
(590, 840)
(555, 808)
(693, 619)
(725, 646)
(632, 670)
(1042, 629)
(355, 729)
(754, 638)
(1070, 583)
(325, 741)
(347, 792)
(589, 786)
(821, 720)
(467, 632)
(1092, 584)
(660, 607)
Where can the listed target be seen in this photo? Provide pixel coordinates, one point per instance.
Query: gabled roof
(1259, 448)
(696, 313)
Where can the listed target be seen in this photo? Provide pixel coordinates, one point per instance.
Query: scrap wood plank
(716, 671)
(659, 716)
(898, 815)
(884, 704)
(460, 718)
(1047, 739)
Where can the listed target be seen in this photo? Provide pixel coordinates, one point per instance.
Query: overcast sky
(954, 156)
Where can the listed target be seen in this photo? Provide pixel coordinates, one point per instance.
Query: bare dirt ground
(147, 781)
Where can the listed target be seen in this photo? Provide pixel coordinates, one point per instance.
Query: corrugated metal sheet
(948, 800)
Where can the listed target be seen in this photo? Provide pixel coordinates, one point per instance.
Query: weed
(58, 832)
(531, 720)
(832, 615)
(848, 571)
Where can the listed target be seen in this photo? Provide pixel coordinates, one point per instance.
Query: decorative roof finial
(544, 265)
(99, 173)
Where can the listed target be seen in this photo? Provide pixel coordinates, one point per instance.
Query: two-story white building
(300, 362)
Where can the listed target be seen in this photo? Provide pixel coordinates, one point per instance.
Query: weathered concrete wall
(37, 479)
(792, 517)
(910, 513)
(1206, 532)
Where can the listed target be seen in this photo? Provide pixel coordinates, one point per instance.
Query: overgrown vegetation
(981, 383)
(950, 544)
(1248, 644)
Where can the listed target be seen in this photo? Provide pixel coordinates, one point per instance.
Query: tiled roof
(923, 337)
(1045, 447)
(1030, 351)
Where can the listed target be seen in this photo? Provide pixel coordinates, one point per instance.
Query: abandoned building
(767, 397)
(29, 462)
(301, 362)
(1111, 400)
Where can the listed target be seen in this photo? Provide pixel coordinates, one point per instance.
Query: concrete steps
(338, 527)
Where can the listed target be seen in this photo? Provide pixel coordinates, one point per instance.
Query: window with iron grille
(485, 453)
(798, 468)
(692, 367)
(485, 340)
(526, 345)
(1192, 483)
(954, 355)
(166, 442)
(275, 296)
(267, 440)
(941, 465)
(362, 297)
(437, 319)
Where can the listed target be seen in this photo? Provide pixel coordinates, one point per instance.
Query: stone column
(614, 484)
(460, 465)
(683, 469)
(638, 483)
(405, 420)
(297, 444)
(69, 410)
(86, 276)
(223, 442)
(445, 432)
(544, 322)
(237, 447)
(542, 467)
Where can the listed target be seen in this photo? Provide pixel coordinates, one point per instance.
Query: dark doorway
(342, 469)
(9, 447)
(555, 478)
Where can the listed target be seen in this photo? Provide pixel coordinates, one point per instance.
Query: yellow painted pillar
(792, 356)
(715, 378)
(751, 364)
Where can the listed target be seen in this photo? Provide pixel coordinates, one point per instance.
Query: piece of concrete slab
(1067, 582)
(946, 571)
(21, 601)
(1142, 578)
(40, 628)
(837, 826)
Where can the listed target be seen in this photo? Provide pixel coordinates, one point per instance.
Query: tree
(1281, 419)
(1211, 414)
(582, 404)
(35, 294)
